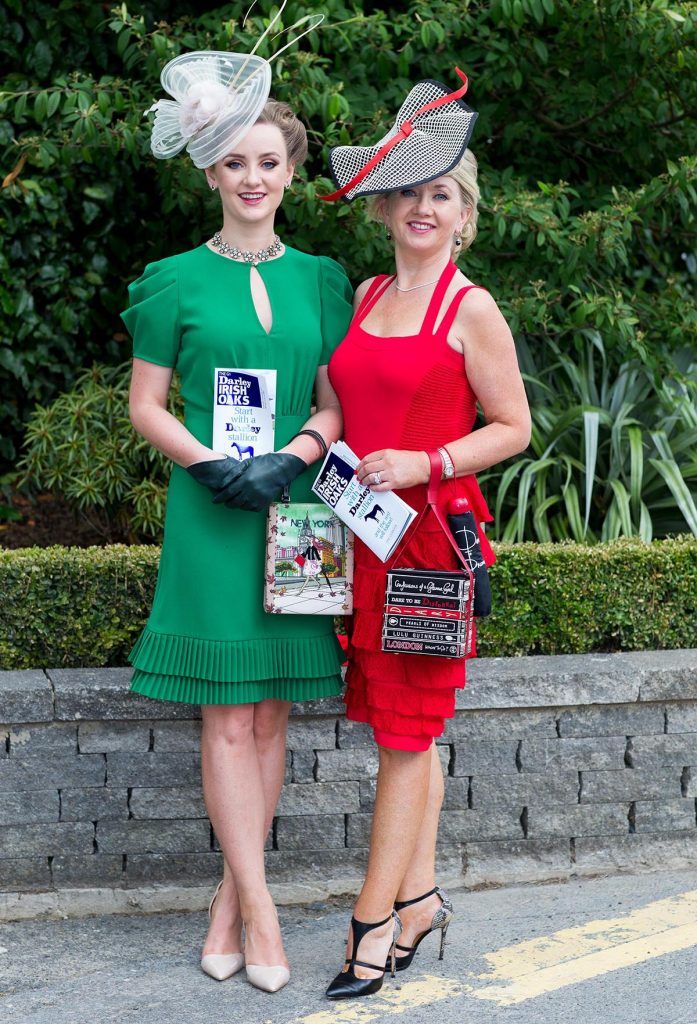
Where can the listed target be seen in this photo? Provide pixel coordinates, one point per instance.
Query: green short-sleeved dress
(208, 639)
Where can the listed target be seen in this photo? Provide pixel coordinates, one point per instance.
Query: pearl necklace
(246, 256)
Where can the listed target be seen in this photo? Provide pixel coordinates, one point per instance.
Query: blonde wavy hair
(464, 174)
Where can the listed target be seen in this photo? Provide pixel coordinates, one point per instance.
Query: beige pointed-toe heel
(220, 965)
(269, 979)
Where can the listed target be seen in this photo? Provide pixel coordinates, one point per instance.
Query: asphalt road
(618, 950)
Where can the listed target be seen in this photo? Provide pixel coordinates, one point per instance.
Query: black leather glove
(263, 481)
(219, 475)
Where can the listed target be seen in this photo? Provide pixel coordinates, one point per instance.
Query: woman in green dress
(241, 300)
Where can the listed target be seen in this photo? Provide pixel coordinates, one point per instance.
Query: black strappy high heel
(441, 919)
(346, 985)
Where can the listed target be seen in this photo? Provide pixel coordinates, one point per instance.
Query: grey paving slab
(144, 969)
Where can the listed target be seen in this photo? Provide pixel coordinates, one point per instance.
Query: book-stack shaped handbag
(429, 611)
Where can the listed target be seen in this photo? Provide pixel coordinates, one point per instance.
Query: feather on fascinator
(217, 97)
(429, 136)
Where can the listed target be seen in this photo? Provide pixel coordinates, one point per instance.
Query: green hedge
(570, 598)
(84, 607)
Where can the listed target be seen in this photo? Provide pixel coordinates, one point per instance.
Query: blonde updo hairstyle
(465, 174)
(290, 126)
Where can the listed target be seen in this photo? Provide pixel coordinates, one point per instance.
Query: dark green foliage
(83, 447)
(586, 117)
(612, 453)
(74, 607)
(569, 598)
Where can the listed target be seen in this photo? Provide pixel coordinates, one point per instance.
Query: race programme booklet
(380, 519)
(244, 410)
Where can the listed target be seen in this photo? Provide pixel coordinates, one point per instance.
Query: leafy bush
(613, 453)
(73, 606)
(585, 119)
(570, 598)
(85, 606)
(84, 447)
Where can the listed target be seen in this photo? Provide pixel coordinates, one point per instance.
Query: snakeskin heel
(441, 921)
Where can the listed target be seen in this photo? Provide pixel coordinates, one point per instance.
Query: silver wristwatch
(448, 467)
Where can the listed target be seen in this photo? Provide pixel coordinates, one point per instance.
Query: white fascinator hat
(429, 136)
(216, 98)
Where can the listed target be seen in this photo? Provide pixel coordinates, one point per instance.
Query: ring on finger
(377, 478)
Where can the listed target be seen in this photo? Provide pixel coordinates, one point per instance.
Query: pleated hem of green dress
(206, 691)
(232, 661)
(191, 670)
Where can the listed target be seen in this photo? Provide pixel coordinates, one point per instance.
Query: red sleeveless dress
(408, 392)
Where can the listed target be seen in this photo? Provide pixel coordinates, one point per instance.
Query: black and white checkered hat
(429, 136)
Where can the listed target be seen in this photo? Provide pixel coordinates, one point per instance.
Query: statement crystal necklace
(245, 255)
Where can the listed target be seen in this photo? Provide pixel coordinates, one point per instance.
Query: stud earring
(287, 185)
(213, 188)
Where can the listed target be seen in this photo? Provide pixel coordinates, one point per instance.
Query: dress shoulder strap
(451, 312)
(376, 288)
(437, 298)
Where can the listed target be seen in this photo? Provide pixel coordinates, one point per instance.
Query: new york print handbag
(309, 561)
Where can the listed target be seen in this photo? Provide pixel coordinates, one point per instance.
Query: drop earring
(287, 185)
(458, 239)
(213, 188)
(388, 233)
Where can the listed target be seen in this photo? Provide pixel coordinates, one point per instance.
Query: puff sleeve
(336, 294)
(152, 317)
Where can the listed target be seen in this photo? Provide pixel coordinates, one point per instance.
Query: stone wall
(555, 766)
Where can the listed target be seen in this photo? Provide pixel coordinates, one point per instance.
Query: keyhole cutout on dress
(260, 298)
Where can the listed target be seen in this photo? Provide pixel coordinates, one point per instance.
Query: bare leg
(400, 803)
(420, 874)
(270, 726)
(225, 928)
(233, 763)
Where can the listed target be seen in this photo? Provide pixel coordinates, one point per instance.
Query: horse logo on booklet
(376, 511)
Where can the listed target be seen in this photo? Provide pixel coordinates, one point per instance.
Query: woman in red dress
(425, 345)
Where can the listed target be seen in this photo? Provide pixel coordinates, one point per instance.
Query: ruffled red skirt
(406, 698)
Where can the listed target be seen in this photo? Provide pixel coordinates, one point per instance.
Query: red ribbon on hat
(405, 130)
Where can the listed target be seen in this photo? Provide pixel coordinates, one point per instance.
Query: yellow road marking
(424, 991)
(528, 969)
(531, 968)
